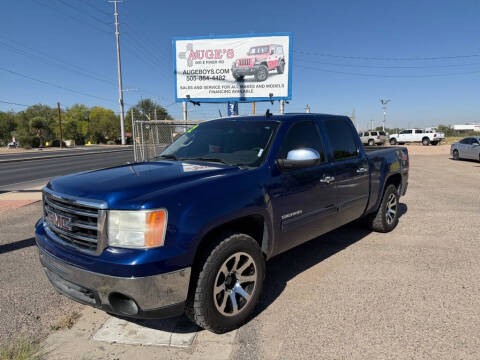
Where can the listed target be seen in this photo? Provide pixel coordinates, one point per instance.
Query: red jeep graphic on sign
(260, 60)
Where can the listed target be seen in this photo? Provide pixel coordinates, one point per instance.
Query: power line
(54, 85)
(12, 103)
(70, 16)
(387, 67)
(56, 62)
(386, 75)
(82, 12)
(385, 58)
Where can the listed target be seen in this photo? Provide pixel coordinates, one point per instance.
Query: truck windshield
(233, 142)
(258, 50)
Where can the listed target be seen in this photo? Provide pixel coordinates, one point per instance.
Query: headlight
(137, 229)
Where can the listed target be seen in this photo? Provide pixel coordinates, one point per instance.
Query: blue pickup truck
(190, 231)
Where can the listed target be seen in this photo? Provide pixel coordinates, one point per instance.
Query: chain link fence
(151, 137)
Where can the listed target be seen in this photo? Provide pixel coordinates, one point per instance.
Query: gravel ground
(28, 303)
(409, 294)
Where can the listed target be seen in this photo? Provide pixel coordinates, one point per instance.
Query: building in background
(467, 127)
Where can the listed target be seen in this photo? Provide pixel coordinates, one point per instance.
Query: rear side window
(301, 135)
(381, 132)
(341, 138)
(374, 133)
(466, 141)
(418, 131)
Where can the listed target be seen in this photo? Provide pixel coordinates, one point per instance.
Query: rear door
(350, 168)
(464, 148)
(303, 201)
(419, 134)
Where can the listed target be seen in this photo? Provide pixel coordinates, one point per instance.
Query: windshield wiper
(167, 156)
(207, 159)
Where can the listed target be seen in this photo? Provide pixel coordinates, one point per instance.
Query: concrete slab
(176, 332)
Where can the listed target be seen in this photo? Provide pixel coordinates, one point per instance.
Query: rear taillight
(378, 137)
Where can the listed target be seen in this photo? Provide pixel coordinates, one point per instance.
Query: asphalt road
(23, 174)
(48, 153)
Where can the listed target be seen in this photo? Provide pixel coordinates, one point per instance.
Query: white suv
(416, 135)
(371, 138)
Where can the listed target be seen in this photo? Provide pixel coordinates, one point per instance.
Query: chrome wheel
(391, 208)
(235, 284)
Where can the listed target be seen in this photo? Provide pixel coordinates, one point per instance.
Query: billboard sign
(233, 68)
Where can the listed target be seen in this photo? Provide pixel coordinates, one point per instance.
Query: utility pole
(384, 107)
(282, 106)
(371, 124)
(119, 66)
(60, 124)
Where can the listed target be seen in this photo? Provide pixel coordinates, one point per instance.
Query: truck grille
(244, 62)
(71, 222)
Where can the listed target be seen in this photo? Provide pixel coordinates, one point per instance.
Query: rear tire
(223, 294)
(393, 141)
(281, 67)
(386, 217)
(425, 141)
(371, 142)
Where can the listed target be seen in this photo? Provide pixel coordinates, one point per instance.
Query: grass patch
(65, 323)
(23, 349)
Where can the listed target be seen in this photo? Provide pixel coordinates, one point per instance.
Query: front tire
(386, 217)
(227, 284)
(456, 155)
(262, 73)
(393, 141)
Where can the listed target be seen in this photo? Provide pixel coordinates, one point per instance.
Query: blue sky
(70, 43)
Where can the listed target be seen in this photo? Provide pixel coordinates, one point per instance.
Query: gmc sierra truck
(190, 231)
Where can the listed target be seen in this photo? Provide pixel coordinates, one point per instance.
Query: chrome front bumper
(155, 296)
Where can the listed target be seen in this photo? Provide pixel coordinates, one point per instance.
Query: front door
(303, 199)
(350, 168)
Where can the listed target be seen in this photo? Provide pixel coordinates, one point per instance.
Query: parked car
(416, 135)
(260, 60)
(467, 148)
(190, 230)
(372, 138)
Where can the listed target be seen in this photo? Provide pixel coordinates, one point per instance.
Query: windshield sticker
(192, 167)
(192, 128)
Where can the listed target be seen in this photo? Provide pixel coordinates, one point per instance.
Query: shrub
(28, 141)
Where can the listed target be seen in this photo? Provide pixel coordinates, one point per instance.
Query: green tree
(7, 126)
(104, 124)
(145, 110)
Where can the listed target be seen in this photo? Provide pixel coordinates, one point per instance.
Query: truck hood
(117, 185)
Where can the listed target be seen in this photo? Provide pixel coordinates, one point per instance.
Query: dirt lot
(351, 294)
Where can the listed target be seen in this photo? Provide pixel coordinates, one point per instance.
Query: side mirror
(299, 159)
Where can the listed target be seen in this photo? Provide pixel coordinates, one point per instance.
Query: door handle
(361, 170)
(327, 179)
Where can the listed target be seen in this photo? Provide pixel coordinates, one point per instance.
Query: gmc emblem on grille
(60, 221)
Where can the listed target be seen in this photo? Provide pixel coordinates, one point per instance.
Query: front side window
(418, 131)
(382, 133)
(406, 132)
(341, 138)
(302, 135)
(233, 142)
